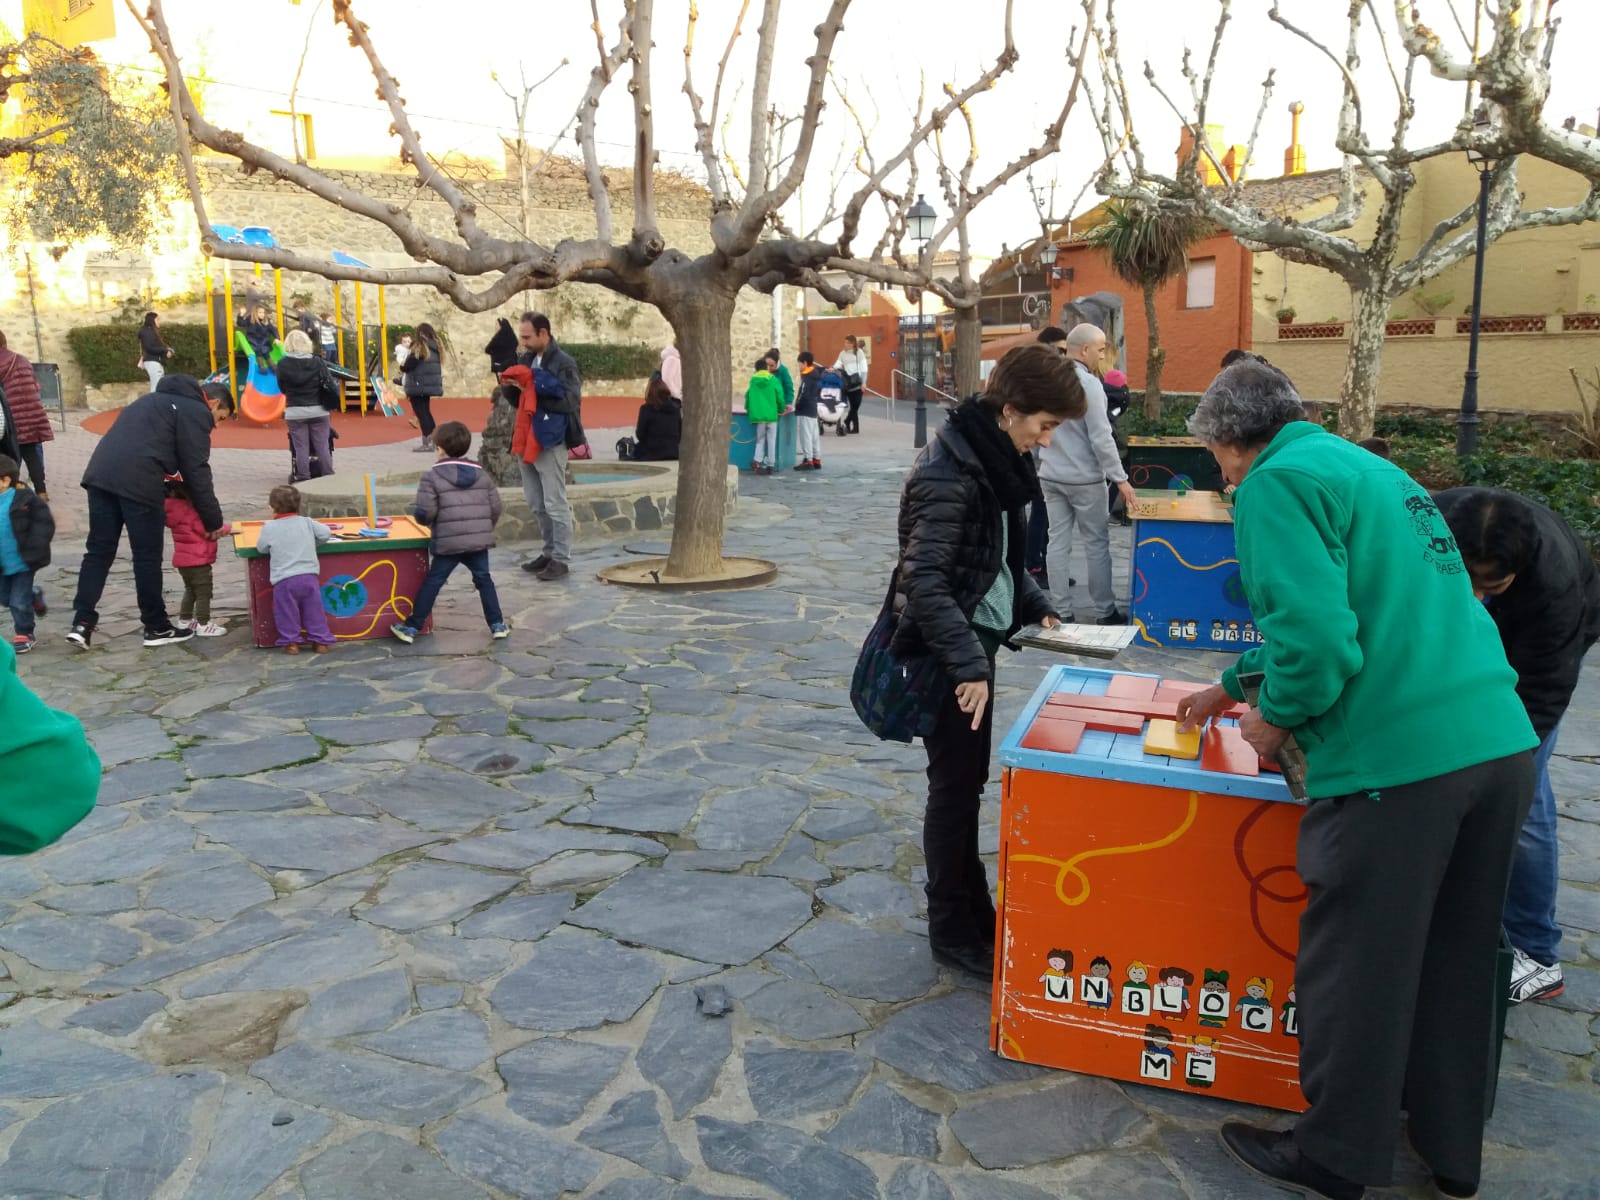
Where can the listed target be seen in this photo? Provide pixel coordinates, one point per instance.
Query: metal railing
(895, 376)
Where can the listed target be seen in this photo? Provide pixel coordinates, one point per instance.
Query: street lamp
(920, 219)
(1467, 422)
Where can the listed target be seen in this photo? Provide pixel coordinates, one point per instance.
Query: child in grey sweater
(291, 541)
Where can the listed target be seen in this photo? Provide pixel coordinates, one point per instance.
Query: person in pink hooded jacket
(194, 551)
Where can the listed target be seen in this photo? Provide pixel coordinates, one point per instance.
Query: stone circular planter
(649, 573)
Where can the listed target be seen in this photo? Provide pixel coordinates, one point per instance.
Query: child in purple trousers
(291, 541)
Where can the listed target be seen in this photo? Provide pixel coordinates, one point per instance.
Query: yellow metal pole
(338, 321)
(211, 315)
(277, 290)
(361, 348)
(383, 333)
(227, 306)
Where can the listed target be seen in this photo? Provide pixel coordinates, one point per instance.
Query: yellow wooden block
(1162, 737)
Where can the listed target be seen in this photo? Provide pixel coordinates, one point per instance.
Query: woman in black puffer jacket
(962, 593)
(309, 397)
(424, 376)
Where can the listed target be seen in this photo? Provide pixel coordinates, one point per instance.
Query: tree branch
(703, 125)
(589, 108)
(646, 244)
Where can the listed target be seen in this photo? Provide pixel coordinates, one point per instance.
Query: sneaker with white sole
(1532, 980)
(499, 631)
(209, 629)
(80, 635)
(401, 632)
(184, 623)
(170, 636)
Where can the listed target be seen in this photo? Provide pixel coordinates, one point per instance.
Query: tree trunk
(1358, 399)
(1155, 356)
(969, 351)
(701, 315)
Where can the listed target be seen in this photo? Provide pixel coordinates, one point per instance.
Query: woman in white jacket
(852, 368)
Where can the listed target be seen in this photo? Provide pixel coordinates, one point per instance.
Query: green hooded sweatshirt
(785, 381)
(51, 775)
(763, 399)
(1376, 655)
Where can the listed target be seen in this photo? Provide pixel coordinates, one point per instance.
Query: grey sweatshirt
(291, 543)
(1084, 451)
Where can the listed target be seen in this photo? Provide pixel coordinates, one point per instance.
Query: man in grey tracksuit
(1073, 472)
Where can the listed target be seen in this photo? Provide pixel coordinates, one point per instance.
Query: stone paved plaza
(628, 906)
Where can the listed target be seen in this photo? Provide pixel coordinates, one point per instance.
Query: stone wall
(559, 208)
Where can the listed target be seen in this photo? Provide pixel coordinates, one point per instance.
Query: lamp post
(919, 223)
(1467, 422)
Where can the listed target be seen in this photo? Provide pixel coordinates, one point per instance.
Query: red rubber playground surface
(599, 412)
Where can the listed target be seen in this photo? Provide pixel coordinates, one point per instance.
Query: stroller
(832, 406)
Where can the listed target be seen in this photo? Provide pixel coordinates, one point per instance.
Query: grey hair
(1245, 405)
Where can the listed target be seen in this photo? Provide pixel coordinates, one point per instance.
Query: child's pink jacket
(190, 545)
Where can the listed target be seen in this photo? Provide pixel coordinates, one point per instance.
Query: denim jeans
(307, 438)
(1530, 913)
(18, 591)
(147, 534)
(475, 561)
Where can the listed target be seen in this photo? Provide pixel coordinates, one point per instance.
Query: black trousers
(422, 407)
(852, 420)
(960, 910)
(147, 530)
(1395, 978)
(33, 459)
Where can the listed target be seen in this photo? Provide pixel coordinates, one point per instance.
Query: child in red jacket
(193, 552)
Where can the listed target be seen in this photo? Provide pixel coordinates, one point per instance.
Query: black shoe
(534, 566)
(553, 570)
(977, 960)
(1274, 1156)
(168, 636)
(1116, 618)
(80, 634)
(40, 608)
(1454, 1188)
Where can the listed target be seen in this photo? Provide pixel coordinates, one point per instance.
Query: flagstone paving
(627, 907)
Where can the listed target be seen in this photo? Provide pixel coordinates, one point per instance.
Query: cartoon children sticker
(1255, 1006)
(1172, 992)
(1215, 1003)
(1157, 1058)
(1200, 1067)
(1136, 992)
(1096, 987)
(1057, 977)
(1216, 631)
(1290, 1016)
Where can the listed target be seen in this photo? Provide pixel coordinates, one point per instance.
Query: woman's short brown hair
(1036, 378)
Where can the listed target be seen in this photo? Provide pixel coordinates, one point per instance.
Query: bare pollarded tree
(1512, 79)
(752, 245)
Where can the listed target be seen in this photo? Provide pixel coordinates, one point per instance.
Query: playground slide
(261, 399)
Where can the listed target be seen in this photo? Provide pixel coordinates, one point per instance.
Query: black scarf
(1012, 475)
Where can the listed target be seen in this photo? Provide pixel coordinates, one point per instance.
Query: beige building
(1541, 302)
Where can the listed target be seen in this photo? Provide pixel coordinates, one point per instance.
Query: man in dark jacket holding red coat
(166, 432)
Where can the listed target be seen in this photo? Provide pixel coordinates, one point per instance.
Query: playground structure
(261, 400)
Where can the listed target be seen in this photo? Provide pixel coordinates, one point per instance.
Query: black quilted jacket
(950, 554)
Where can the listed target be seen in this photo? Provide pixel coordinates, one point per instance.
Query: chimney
(1294, 158)
(1208, 171)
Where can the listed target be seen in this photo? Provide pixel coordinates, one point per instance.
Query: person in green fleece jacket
(1392, 680)
(51, 775)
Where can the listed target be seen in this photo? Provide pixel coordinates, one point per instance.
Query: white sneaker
(209, 629)
(1532, 980)
(184, 623)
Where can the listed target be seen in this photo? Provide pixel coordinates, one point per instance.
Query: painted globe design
(1180, 483)
(1233, 591)
(344, 596)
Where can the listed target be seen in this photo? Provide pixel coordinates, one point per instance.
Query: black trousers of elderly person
(1395, 978)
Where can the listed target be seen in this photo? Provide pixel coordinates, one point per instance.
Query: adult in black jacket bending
(1543, 591)
(166, 432)
(962, 593)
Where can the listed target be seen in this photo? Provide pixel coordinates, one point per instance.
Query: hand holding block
(1162, 737)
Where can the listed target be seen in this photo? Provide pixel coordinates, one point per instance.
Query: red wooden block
(1175, 690)
(1271, 764)
(1059, 737)
(1132, 687)
(1143, 708)
(1224, 749)
(1236, 710)
(1110, 722)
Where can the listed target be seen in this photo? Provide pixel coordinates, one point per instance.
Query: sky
(446, 57)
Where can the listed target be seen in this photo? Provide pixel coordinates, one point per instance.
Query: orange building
(878, 332)
(1201, 315)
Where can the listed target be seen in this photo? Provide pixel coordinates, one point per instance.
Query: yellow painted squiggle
(1071, 868)
(393, 603)
(1212, 567)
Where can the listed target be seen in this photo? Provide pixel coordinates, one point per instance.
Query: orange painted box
(367, 583)
(1149, 910)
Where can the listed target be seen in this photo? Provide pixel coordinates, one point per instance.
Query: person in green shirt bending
(1390, 676)
(52, 774)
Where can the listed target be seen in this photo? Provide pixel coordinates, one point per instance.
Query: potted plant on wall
(1285, 315)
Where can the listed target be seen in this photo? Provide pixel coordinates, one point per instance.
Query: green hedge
(614, 360)
(110, 353)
